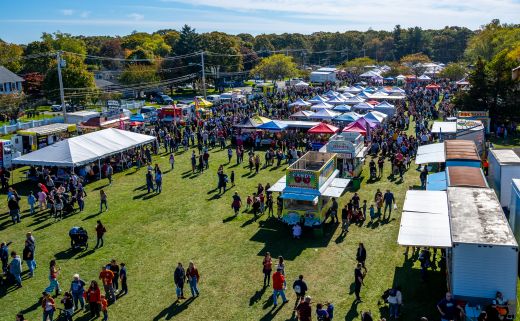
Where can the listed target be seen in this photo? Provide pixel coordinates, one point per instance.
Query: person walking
(267, 268)
(395, 299)
(300, 288)
(149, 181)
(68, 306)
(278, 286)
(15, 268)
(114, 267)
(100, 232)
(54, 271)
(122, 277)
(102, 201)
(344, 219)
(94, 298)
(389, 201)
(361, 255)
(236, 203)
(77, 289)
(14, 208)
(304, 309)
(109, 173)
(193, 278)
(448, 308)
(106, 276)
(48, 306)
(172, 161)
(4, 256)
(179, 278)
(423, 176)
(31, 200)
(358, 281)
(28, 257)
(104, 307)
(158, 181)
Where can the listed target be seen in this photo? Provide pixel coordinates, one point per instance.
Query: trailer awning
(300, 197)
(425, 220)
(432, 153)
(279, 186)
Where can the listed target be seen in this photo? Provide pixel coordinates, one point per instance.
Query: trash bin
(356, 183)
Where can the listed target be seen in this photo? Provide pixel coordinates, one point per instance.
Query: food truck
(176, 113)
(351, 150)
(308, 187)
(31, 139)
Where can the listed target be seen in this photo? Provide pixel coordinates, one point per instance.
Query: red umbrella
(136, 123)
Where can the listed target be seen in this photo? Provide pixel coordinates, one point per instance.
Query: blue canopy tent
(273, 125)
(137, 117)
(342, 108)
(436, 182)
(317, 99)
(348, 117)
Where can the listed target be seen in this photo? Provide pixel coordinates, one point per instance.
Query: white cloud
(85, 14)
(136, 16)
(67, 12)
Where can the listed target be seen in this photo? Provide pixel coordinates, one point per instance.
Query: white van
(215, 99)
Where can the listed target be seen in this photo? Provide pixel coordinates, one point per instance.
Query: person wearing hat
(278, 286)
(48, 306)
(77, 288)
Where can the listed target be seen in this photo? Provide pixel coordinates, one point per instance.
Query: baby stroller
(78, 238)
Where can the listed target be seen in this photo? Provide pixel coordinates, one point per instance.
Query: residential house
(9, 81)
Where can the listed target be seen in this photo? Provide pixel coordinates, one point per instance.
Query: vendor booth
(504, 166)
(484, 254)
(482, 116)
(385, 108)
(310, 183)
(320, 134)
(451, 152)
(351, 151)
(38, 137)
(472, 130)
(481, 251)
(456, 176)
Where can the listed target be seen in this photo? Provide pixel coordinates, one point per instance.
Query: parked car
(56, 108)
(164, 100)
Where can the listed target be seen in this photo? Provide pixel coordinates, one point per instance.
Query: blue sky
(23, 21)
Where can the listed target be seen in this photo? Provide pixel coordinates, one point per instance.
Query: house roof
(7, 75)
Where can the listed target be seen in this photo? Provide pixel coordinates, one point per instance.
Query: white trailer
(484, 254)
(504, 166)
(514, 209)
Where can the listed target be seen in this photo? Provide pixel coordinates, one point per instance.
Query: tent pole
(99, 167)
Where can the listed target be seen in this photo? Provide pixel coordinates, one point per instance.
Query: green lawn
(188, 221)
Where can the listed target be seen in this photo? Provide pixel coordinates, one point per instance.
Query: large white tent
(324, 114)
(322, 105)
(84, 149)
(299, 103)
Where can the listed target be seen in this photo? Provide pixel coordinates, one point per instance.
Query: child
(232, 177)
(104, 305)
(31, 200)
(364, 207)
(372, 212)
(42, 200)
(330, 310)
(249, 201)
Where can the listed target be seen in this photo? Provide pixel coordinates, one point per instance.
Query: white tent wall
(479, 271)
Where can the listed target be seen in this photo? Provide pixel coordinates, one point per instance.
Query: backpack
(297, 289)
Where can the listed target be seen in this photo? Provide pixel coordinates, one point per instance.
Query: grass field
(189, 221)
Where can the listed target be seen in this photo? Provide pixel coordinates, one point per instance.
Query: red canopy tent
(433, 86)
(323, 128)
(355, 127)
(372, 102)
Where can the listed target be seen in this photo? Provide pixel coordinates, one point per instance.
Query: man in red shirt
(278, 286)
(106, 276)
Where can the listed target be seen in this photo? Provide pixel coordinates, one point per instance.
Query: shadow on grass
(275, 235)
(92, 216)
(41, 227)
(214, 197)
(229, 219)
(174, 309)
(352, 313)
(33, 307)
(66, 254)
(271, 314)
(149, 196)
(85, 254)
(132, 173)
(257, 296)
(100, 187)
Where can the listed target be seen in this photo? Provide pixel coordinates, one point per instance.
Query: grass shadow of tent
(417, 295)
(278, 240)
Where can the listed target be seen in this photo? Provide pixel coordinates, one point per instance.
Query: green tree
(75, 75)
(275, 67)
(477, 98)
(42, 63)
(453, 71)
(189, 41)
(138, 74)
(223, 51)
(416, 62)
(11, 56)
(357, 65)
(11, 104)
(492, 39)
(65, 42)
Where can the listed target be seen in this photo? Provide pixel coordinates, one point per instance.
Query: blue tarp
(436, 182)
(137, 117)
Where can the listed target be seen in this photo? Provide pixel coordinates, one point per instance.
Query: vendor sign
(302, 179)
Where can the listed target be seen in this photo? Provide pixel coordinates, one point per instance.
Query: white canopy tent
(445, 127)
(324, 114)
(299, 103)
(322, 105)
(425, 220)
(84, 149)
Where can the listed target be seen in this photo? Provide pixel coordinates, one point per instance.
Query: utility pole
(60, 80)
(203, 73)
